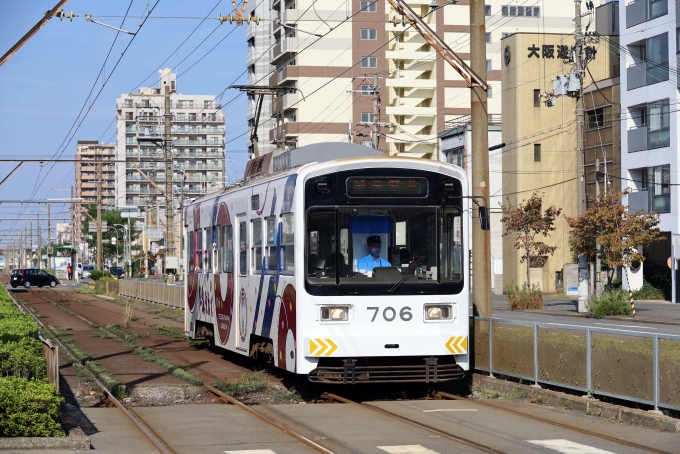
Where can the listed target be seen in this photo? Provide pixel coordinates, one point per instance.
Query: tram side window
(207, 266)
(256, 249)
(227, 251)
(287, 243)
(320, 237)
(191, 251)
(217, 251)
(272, 256)
(451, 246)
(199, 248)
(243, 248)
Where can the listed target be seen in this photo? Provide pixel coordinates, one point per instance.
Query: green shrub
(520, 299)
(13, 329)
(29, 408)
(95, 275)
(617, 283)
(609, 303)
(22, 359)
(648, 292)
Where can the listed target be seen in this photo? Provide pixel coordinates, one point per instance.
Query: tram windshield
(385, 245)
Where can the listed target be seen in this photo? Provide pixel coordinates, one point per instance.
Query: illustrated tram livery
(335, 262)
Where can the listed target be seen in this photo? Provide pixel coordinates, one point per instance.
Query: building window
(659, 188)
(369, 7)
(537, 152)
(537, 98)
(369, 33)
(488, 37)
(658, 124)
(489, 92)
(207, 104)
(369, 62)
(367, 117)
(528, 11)
(365, 90)
(192, 117)
(487, 10)
(488, 65)
(181, 104)
(595, 118)
(128, 103)
(454, 156)
(180, 117)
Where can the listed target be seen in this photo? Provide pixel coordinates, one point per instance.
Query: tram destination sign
(386, 187)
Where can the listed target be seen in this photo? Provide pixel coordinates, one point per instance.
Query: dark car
(117, 272)
(31, 276)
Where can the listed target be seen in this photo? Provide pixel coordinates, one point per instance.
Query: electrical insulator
(62, 15)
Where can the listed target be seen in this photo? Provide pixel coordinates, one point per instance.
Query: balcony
(640, 139)
(287, 45)
(198, 154)
(186, 143)
(640, 11)
(647, 73)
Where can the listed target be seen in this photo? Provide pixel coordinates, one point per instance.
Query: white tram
(278, 267)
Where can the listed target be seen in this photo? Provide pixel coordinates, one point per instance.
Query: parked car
(85, 273)
(117, 272)
(31, 276)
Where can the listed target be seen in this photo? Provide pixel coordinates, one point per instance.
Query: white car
(85, 273)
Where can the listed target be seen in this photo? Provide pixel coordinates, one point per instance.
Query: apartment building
(650, 152)
(259, 40)
(540, 141)
(197, 145)
(88, 178)
(415, 92)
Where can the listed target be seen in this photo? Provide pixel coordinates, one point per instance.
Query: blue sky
(44, 85)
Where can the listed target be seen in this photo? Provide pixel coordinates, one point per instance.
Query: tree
(619, 232)
(528, 221)
(112, 217)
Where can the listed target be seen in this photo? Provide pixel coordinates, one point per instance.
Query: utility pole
(99, 211)
(39, 243)
(481, 242)
(598, 260)
(30, 244)
(49, 239)
(580, 111)
(169, 209)
(375, 94)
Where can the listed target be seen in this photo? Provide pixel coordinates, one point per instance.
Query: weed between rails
(117, 333)
(256, 383)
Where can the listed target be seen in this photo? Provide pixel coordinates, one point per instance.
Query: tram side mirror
(484, 222)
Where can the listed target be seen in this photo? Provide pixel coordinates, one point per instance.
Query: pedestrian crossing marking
(568, 447)
(407, 449)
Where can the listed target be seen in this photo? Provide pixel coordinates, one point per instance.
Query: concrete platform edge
(73, 441)
(581, 404)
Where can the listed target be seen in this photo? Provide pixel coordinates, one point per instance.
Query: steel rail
(552, 423)
(56, 303)
(157, 443)
(295, 434)
(464, 441)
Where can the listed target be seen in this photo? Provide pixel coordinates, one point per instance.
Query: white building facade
(650, 148)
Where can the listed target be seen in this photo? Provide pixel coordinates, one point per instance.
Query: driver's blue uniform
(368, 263)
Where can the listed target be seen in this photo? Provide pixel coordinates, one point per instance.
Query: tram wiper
(411, 269)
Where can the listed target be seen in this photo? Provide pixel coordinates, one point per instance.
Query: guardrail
(51, 354)
(628, 365)
(153, 292)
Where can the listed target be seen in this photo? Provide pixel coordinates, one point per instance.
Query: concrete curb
(581, 404)
(613, 317)
(75, 440)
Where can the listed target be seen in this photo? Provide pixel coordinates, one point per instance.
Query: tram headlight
(438, 312)
(334, 313)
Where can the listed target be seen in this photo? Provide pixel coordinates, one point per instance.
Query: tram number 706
(389, 313)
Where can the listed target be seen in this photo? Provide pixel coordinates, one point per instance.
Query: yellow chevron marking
(333, 347)
(312, 347)
(324, 347)
(457, 345)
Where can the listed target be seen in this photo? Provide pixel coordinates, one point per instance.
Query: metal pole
(589, 364)
(169, 210)
(30, 245)
(598, 259)
(490, 347)
(578, 49)
(39, 242)
(481, 244)
(535, 354)
(99, 212)
(376, 113)
(656, 372)
(49, 239)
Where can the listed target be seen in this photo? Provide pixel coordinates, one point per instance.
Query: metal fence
(628, 365)
(153, 292)
(51, 354)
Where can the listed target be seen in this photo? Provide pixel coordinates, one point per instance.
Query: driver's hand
(362, 271)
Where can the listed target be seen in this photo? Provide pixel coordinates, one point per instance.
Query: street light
(116, 243)
(125, 244)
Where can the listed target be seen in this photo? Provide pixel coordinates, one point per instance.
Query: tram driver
(366, 264)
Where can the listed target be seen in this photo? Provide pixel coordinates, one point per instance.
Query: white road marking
(252, 451)
(568, 447)
(407, 449)
(450, 409)
(625, 326)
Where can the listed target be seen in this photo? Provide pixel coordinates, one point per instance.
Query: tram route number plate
(389, 313)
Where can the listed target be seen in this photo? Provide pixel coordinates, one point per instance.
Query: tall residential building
(650, 150)
(88, 153)
(259, 39)
(197, 145)
(415, 92)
